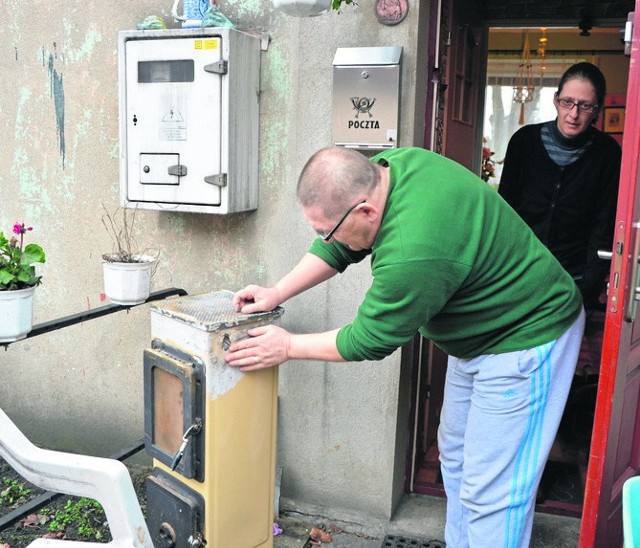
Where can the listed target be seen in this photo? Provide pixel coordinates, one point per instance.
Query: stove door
(174, 409)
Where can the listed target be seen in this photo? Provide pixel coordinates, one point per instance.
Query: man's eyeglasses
(567, 103)
(327, 236)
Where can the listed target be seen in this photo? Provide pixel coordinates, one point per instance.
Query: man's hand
(254, 298)
(266, 346)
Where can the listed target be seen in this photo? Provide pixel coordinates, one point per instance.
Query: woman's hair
(589, 72)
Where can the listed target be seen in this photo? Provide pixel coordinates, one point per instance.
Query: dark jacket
(571, 209)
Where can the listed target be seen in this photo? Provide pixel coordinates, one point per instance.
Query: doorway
(562, 489)
(552, 51)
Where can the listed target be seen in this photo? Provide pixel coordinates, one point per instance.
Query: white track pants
(499, 419)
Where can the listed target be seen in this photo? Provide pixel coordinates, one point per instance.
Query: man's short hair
(334, 177)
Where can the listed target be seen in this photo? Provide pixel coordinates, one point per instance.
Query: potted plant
(18, 281)
(127, 271)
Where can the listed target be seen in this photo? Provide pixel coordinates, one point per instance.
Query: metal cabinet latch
(177, 170)
(219, 67)
(219, 179)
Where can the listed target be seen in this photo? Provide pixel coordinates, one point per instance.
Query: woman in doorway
(562, 177)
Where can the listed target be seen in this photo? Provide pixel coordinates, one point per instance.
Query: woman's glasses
(568, 104)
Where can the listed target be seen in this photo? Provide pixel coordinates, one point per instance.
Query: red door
(614, 454)
(455, 96)
(455, 103)
(466, 41)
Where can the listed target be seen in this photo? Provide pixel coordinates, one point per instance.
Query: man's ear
(370, 210)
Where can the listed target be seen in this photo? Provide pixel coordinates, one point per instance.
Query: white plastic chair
(102, 479)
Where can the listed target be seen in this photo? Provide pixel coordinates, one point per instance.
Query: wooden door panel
(465, 84)
(631, 367)
(623, 458)
(635, 340)
(453, 124)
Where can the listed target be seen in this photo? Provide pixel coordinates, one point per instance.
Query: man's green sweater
(453, 261)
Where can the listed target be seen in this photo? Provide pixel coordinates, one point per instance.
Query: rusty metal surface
(210, 311)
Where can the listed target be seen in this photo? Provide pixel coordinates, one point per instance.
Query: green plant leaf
(5, 277)
(16, 263)
(32, 253)
(337, 4)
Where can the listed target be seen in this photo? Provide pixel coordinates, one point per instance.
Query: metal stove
(210, 428)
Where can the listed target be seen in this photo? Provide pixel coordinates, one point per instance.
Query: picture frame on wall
(613, 119)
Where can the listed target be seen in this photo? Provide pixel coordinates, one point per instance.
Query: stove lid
(210, 311)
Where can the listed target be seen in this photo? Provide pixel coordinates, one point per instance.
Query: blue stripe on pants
(525, 474)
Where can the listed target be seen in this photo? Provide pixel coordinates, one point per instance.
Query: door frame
(606, 408)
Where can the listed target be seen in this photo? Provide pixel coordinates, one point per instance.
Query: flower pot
(16, 314)
(302, 8)
(128, 283)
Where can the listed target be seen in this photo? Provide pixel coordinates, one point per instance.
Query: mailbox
(189, 119)
(366, 97)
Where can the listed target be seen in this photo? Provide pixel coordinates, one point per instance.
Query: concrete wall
(81, 388)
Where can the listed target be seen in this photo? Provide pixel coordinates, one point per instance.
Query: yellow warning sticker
(207, 43)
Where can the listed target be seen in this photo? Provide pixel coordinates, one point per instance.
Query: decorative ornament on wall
(391, 12)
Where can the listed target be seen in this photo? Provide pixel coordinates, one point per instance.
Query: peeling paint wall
(81, 388)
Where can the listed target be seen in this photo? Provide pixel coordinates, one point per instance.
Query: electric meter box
(366, 97)
(189, 103)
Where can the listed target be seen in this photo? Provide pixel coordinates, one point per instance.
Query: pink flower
(19, 228)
